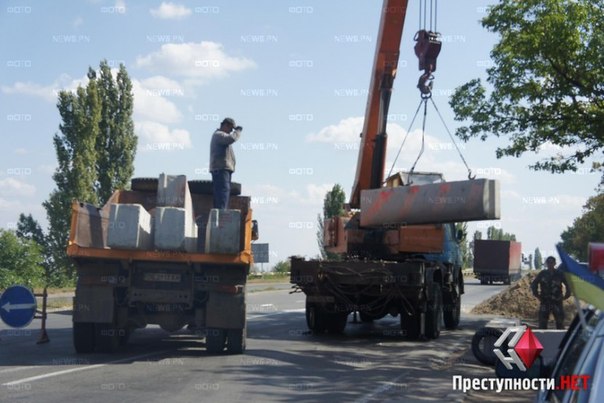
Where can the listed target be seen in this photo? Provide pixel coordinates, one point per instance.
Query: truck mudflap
(93, 304)
(225, 309)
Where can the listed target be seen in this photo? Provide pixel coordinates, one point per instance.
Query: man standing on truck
(222, 161)
(547, 287)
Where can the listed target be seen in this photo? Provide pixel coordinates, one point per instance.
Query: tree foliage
(547, 82)
(498, 234)
(282, 267)
(116, 142)
(589, 227)
(333, 206)
(95, 150)
(538, 259)
(465, 247)
(20, 261)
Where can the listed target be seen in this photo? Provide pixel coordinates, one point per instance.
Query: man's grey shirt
(221, 151)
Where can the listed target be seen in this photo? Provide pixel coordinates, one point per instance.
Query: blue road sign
(17, 306)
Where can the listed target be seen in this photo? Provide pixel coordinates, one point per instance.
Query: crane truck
(158, 254)
(397, 249)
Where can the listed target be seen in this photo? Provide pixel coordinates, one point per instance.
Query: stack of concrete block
(223, 232)
(129, 227)
(174, 224)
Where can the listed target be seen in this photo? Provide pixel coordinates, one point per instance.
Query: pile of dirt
(517, 301)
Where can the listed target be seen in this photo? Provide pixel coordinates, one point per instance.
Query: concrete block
(173, 191)
(129, 227)
(174, 229)
(468, 200)
(223, 232)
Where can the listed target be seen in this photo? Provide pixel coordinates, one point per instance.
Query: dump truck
(497, 261)
(395, 249)
(159, 254)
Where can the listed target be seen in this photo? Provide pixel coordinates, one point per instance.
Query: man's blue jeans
(221, 183)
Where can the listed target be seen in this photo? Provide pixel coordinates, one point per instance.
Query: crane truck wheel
(83, 337)
(365, 318)
(452, 308)
(315, 318)
(411, 325)
(335, 323)
(434, 313)
(215, 339)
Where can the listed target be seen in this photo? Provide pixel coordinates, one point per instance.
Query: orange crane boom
(372, 152)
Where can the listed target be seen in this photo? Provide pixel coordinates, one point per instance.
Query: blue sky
(294, 74)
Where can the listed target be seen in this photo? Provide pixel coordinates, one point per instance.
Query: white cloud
(120, 5)
(77, 22)
(199, 61)
(437, 156)
(155, 136)
(346, 131)
(14, 187)
(21, 151)
(171, 11)
(49, 92)
(47, 169)
(149, 102)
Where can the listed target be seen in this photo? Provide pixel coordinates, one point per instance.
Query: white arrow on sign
(8, 306)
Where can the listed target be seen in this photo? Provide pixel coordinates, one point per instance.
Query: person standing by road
(222, 161)
(547, 287)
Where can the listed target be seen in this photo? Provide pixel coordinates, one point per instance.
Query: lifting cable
(427, 50)
(424, 101)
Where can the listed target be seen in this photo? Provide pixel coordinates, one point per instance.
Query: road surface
(283, 362)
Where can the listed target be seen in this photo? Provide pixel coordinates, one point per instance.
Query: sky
(294, 74)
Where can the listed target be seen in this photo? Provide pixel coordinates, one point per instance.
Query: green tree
(464, 248)
(538, 259)
(95, 151)
(333, 206)
(20, 261)
(589, 227)
(546, 84)
(116, 142)
(282, 267)
(498, 234)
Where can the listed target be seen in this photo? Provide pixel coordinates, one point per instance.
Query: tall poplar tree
(95, 151)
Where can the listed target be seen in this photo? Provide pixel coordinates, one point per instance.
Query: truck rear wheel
(365, 318)
(315, 318)
(411, 325)
(452, 308)
(434, 313)
(83, 337)
(215, 339)
(236, 341)
(107, 337)
(335, 323)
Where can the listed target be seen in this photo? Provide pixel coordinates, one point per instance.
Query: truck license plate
(166, 277)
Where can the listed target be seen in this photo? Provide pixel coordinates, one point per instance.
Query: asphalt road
(283, 362)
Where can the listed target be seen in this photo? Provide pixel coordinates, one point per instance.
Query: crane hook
(427, 50)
